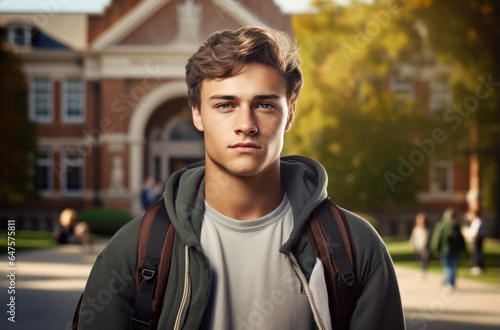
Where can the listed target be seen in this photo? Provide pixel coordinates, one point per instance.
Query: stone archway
(137, 128)
(172, 145)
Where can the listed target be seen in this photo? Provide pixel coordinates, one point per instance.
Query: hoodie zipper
(305, 285)
(186, 295)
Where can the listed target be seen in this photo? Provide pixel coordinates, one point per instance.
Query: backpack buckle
(348, 278)
(148, 274)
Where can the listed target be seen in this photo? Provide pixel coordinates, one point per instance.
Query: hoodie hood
(304, 180)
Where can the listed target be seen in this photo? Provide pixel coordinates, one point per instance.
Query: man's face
(244, 118)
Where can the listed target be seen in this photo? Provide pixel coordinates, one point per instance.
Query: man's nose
(245, 122)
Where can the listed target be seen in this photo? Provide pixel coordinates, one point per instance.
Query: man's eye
(224, 106)
(266, 106)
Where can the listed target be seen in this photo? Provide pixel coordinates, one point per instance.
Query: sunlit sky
(95, 6)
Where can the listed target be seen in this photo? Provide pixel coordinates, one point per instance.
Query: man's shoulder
(366, 239)
(358, 225)
(123, 244)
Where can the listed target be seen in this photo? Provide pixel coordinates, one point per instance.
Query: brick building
(108, 93)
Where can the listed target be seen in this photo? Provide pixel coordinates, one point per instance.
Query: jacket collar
(304, 180)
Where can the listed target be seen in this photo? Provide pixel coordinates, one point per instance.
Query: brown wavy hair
(226, 52)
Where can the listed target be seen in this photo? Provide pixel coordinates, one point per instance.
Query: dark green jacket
(440, 242)
(109, 295)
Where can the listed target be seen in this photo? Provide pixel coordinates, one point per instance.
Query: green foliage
(104, 221)
(27, 240)
(17, 132)
(472, 55)
(345, 117)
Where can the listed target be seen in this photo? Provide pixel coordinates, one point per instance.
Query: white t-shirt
(253, 284)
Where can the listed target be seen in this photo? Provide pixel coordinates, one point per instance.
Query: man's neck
(243, 197)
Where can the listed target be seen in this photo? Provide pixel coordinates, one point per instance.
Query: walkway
(49, 283)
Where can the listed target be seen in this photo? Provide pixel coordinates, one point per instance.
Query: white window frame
(32, 100)
(165, 148)
(12, 36)
(64, 101)
(440, 96)
(48, 162)
(436, 163)
(404, 88)
(66, 162)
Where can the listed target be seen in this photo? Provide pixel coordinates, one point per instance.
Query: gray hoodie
(109, 295)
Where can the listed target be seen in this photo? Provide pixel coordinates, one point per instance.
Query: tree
(17, 132)
(346, 118)
(466, 35)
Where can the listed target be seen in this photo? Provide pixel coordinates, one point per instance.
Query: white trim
(238, 12)
(166, 149)
(114, 138)
(447, 164)
(128, 23)
(64, 109)
(429, 197)
(27, 35)
(149, 104)
(137, 128)
(58, 143)
(31, 101)
(145, 9)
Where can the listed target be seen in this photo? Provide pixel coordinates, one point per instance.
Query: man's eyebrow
(267, 96)
(233, 97)
(222, 97)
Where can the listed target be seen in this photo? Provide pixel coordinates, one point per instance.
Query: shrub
(105, 221)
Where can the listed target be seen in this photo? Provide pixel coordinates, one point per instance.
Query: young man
(447, 243)
(241, 257)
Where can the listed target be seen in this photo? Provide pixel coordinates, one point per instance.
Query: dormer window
(19, 35)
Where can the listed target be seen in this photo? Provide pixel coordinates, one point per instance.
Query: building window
(43, 175)
(185, 132)
(19, 35)
(41, 100)
(73, 100)
(440, 98)
(72, 175)
(403, 91)
(441, 176)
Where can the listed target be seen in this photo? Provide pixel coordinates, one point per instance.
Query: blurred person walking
(419, 240)
(447, 243)
(475, 234)
(148, 193)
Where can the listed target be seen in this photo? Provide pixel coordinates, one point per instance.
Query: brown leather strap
(142, 242)
(322, 245)
(156, 212)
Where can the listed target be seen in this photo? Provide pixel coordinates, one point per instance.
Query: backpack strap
(331, 240)
(76, 316)
(154, 252)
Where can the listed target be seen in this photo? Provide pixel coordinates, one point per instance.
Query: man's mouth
(244, 147)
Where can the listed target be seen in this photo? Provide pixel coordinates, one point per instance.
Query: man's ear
(198, 123)
(291, 114)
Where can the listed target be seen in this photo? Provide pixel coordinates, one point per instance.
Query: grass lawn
(26, 240)
(402, 255)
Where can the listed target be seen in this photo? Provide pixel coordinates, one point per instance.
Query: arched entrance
(173, 145)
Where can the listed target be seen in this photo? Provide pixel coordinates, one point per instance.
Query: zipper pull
(302, 291)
